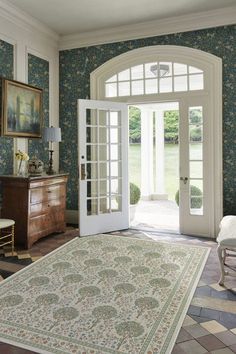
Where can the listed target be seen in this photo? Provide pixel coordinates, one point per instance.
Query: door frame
(212, 67)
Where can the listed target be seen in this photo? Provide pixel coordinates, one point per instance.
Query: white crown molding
(185, 23)
(25, 21)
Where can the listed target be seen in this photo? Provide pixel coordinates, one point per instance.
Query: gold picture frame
(21, 109)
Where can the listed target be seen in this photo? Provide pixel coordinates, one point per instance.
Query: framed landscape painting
(21, 109)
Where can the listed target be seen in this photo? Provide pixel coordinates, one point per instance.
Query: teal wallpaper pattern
(6, 71)
(77, 64)
(38, 75)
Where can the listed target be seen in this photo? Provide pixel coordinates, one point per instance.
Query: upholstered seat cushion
(227, 234)
(226, 241)
(6, 223)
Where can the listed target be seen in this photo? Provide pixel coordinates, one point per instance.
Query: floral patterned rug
(101, 294)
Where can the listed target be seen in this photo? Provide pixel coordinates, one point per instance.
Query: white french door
(196, 168)
(103, 161)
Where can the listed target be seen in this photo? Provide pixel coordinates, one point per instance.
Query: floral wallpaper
(6, 70)
(77, 64)
(38, 75)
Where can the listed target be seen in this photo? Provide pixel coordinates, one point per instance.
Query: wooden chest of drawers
(37, 204)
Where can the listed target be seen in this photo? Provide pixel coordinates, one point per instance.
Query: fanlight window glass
(155, 77)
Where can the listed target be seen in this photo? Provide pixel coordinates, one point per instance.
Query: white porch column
(160, 156)
(146, 153)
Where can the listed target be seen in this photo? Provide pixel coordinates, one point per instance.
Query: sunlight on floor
(156, 214)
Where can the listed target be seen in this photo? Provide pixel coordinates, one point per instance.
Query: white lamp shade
(52, 134)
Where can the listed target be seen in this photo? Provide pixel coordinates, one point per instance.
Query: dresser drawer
(37, 204)
(41, 223)
(45, 194)
(46, 207)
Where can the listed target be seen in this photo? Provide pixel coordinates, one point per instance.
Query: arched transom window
(155, 77)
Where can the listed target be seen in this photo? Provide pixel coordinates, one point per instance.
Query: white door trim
(212, 67)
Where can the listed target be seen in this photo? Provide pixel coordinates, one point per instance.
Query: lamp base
(50, 172)
(50, 168)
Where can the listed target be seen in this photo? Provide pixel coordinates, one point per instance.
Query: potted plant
(134, 198)
(196, 203)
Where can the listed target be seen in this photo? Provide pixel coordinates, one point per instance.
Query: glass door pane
(103, 145)
(196, 196)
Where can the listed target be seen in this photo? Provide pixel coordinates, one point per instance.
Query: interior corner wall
(76, 65)
(29, 56)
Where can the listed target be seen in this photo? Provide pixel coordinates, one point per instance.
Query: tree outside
(134, 125)
(171, 121)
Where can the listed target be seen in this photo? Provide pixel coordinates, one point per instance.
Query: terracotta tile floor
(210, 324)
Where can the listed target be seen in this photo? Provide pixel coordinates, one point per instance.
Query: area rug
(101, 294)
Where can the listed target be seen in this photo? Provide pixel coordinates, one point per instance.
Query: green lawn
(171, 166)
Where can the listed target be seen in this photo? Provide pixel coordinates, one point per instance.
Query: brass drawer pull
(83, 173)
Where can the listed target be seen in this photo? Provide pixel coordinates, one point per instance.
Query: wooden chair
(226, 241)
(7, 227)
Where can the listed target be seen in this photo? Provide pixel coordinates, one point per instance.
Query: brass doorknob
(184, 179)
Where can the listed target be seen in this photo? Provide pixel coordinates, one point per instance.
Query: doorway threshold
(152, 230)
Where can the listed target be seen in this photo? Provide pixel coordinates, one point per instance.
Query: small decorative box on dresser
(37, 204)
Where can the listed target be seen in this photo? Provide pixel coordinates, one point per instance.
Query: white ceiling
(78, 16)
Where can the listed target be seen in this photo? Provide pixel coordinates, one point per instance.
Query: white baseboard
(72, 216)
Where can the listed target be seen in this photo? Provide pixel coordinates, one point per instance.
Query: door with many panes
(103, 161)
(196, 167)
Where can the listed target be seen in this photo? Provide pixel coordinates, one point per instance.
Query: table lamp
(51, 135)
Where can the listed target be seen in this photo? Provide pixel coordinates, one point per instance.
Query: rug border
(140, 239)
(37, 261)
(179, 324)
(187, 304)
(21, 345)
